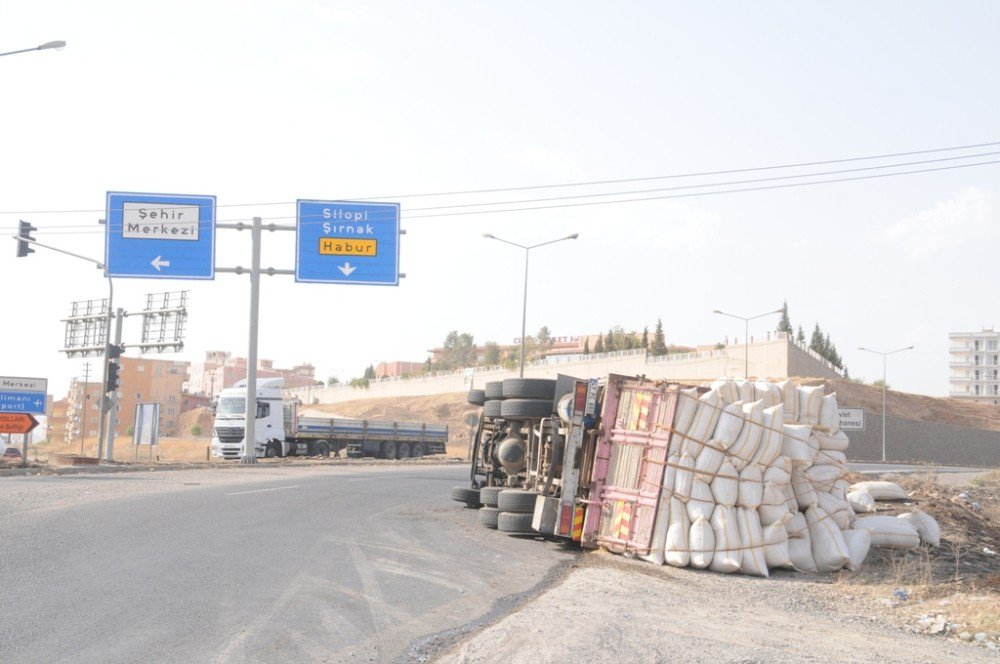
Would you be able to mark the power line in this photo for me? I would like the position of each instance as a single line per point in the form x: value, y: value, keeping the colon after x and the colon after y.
x: 581, y: 183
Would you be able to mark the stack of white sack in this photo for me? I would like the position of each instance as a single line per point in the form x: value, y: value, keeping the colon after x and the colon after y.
x: 754, y: 481
x: 907, y: 531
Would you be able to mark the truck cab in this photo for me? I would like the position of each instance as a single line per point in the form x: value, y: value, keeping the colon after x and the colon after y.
x: 230, y: 420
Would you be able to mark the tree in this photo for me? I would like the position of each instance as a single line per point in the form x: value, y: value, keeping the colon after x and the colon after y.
x: 459, y: 351
x: 816, y: 341
x: 491, y: 353
x: 332, y: 380
x: 370, y: 372
x: 800, y: 336
x: 544, y: 338
x: 599, y: 346
x: 785, y: 325
x: 879, y: 383
x: 586, y: 346
x: 609, y: 341
x: 196, y: 430
x: 645, y: 337
x: 659, y: 340
x: 428, y: 365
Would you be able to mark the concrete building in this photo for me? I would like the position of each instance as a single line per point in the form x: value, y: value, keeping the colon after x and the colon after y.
x: 397, y: 368
x: 144, y: 380
x: 57, y: 420
x: 974, y: 365
x: 221, y: 370
x: 83, y: 410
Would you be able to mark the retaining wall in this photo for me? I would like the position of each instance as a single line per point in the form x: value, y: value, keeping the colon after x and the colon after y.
x: 912, y: 441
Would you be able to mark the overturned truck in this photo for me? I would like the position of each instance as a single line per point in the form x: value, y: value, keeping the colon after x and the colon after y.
x: 739, y: 476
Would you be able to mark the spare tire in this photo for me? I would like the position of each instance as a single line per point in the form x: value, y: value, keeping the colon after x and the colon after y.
x: 488, y: 495
x: 492, y: 408
x: 516, y: 500
x: 488, y: 516
x: 493, y: 390
x: 529, y: 388
x: 512, y: 522
x: 525, y: 408
x: 477, y: 397
x: 468, y: 496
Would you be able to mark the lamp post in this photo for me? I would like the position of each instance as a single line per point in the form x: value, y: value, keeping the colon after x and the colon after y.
x: 524, y: 312
x: 746, y: 335
x: 41, y: 47
x: 884, y: 355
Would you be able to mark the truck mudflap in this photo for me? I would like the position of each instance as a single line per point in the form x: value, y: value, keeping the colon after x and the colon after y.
x: 629, y: 465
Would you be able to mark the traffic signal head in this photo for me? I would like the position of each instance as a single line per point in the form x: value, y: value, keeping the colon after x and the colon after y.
x: 24, y: 231
x: 112, y: 384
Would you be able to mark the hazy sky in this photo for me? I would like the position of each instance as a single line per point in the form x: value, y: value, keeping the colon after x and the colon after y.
x: 267, y: 102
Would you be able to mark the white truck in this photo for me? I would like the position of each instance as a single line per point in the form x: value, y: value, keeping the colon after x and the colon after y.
x: 282, y: 432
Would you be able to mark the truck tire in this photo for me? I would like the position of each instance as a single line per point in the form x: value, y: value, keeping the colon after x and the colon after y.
x: 488, y: 495
x: 477, y: 397
x: 388, y: 449
x: 493, y: 390
x: 525, y: 408
x: 271, y: 451
x: 468, y: 496
x: 417, y: 451
x: 529, y: 388
x: 488, y: 516
x: 514, y: 522
x: 403, y: 451
x: 322, y: 448
x: 516, y: 500
x: 492, y: 408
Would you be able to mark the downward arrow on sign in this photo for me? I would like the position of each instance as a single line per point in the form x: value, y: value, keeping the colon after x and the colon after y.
x: 346, y: 269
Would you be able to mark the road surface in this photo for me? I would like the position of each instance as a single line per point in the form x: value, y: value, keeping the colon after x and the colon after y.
x: 290, y: 564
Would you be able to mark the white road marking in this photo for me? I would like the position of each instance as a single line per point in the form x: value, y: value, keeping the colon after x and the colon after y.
x: 277, y: 488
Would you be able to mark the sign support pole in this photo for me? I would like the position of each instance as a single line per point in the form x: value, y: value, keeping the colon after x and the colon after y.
x: 250, y: 424
x: 24, y: 450
x: 113, y: 400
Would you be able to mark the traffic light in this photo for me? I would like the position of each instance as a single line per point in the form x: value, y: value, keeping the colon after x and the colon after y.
x: 24, y: 231
x: 112, y: 383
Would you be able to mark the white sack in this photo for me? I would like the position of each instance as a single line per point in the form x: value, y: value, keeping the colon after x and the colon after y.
x: 729, y: 425
x: 828, y: 546
x: 825, y: 476
x: 685, y: 475
x: 859, y: 542
x: 705, y: 418
x: 773, y: 508
x: 702, y: 543
x: 751, y: 492
x: 810, y: 400
x: 754, y: 561
x: 833, y: 442
x: 709, y: 460
x: 800, y: 553
x: 728, y: 552
x: 728, y: 390
x: 701, y: 502
x: 881, y: 490
x: 745, y: 388
x: 767, y: 392
x: 798, y: 445
x: 797, y: 527
x: 726, y: 485
x: 789, y: 400
x: 926, y: 526
x: 861, y: 502
x: 830, y: 457
x: 676, y: 550
x: 687, y: 406
x: 662, y: 521
x: 770, y: 439
x: 776, y: 546
x: 805, y: 492
x: 748, y: 440
x: 828, y: 413
x: 837, y: 509
x: 889, y: 532
x: 669, y: 477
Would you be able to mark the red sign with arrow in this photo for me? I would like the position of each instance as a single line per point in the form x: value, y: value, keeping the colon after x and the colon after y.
x: 17, y: 422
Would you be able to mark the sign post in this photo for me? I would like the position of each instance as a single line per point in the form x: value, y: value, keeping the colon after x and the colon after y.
x: 23, y: 395
x: 347, y: 242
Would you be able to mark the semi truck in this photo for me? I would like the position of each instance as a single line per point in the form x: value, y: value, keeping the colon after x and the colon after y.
x: 281, y: 431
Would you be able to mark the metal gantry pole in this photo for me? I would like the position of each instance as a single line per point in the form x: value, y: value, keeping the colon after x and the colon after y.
x: 883, y: 406
x: 524, y: 310
x: 104, y: 371
x: 746, y: 348
x: 250, y: 423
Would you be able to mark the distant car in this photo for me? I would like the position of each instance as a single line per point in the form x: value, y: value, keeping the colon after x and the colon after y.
x: 12, y: 453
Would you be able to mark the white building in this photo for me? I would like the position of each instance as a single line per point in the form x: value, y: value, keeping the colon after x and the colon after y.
x: 975, y: 365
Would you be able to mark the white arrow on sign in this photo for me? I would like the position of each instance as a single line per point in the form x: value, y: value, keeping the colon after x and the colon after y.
x: 346, y: 269
x: 158, y: 263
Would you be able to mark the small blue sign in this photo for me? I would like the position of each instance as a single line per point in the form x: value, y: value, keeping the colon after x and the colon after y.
x: 160, y: 236
x: 22, y: 402
x: 347, y: 242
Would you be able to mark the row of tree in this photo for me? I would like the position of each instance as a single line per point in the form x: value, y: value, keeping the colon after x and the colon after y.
x: 819, y: 341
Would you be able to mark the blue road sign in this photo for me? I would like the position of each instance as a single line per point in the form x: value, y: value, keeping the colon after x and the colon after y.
x: 160, y: 236
x: 22, y: 402
x: 347, y: 242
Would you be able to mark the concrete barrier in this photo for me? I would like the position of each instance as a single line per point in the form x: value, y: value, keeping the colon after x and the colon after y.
x: 913, y: 441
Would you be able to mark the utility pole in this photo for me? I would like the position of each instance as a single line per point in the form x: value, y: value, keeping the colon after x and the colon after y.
x: 83, y: 405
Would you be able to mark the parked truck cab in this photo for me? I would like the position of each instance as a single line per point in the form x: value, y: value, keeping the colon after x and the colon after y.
x: 230, y: 419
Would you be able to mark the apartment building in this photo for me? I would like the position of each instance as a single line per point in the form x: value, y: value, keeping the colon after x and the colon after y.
x: 144, y: 380
x: 221, y: 370
x: 974, y: 365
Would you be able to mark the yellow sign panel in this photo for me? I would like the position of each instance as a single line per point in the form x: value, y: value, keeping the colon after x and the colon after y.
x: 347, y: 246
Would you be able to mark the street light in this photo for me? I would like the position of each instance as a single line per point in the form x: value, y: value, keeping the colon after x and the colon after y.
x: 746, y: 336
x: 884, y: 355
x: 42, y: 47
x: 524, y: 313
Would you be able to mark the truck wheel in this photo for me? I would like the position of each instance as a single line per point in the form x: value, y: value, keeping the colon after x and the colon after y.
x: 488, y: 495
x: 404, y: 451
x: 477, y: 397
x: 418, y: 450
x: 516, y: 500
x: 513, y: 522
x: 468, y: 496
x: 322, y: 448
x: 529, y: 388
x: 492, y: 408
x: 271, y: 451
x: 493, y: 390
x: 389, y: 450
x: 488, y: 516
x: 525, y: 408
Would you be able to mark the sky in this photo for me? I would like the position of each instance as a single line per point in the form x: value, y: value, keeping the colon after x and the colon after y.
x: 263, y: 103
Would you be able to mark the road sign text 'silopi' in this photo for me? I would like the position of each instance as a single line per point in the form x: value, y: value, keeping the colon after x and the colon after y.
x: 24, y: 230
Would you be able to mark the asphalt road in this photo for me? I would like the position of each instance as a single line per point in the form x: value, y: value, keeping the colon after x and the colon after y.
x: 909, y: 468
x: 318, y: 564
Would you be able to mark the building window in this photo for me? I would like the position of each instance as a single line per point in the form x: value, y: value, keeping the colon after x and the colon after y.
x: 93, y: 420
x: 170, y: 411
x: 977, y: 390
x: 138, y: 395
x: 977, y: 374
x: 142, y: 369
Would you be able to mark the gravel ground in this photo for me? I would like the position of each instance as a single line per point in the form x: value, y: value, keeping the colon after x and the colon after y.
x: 613, y: 610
